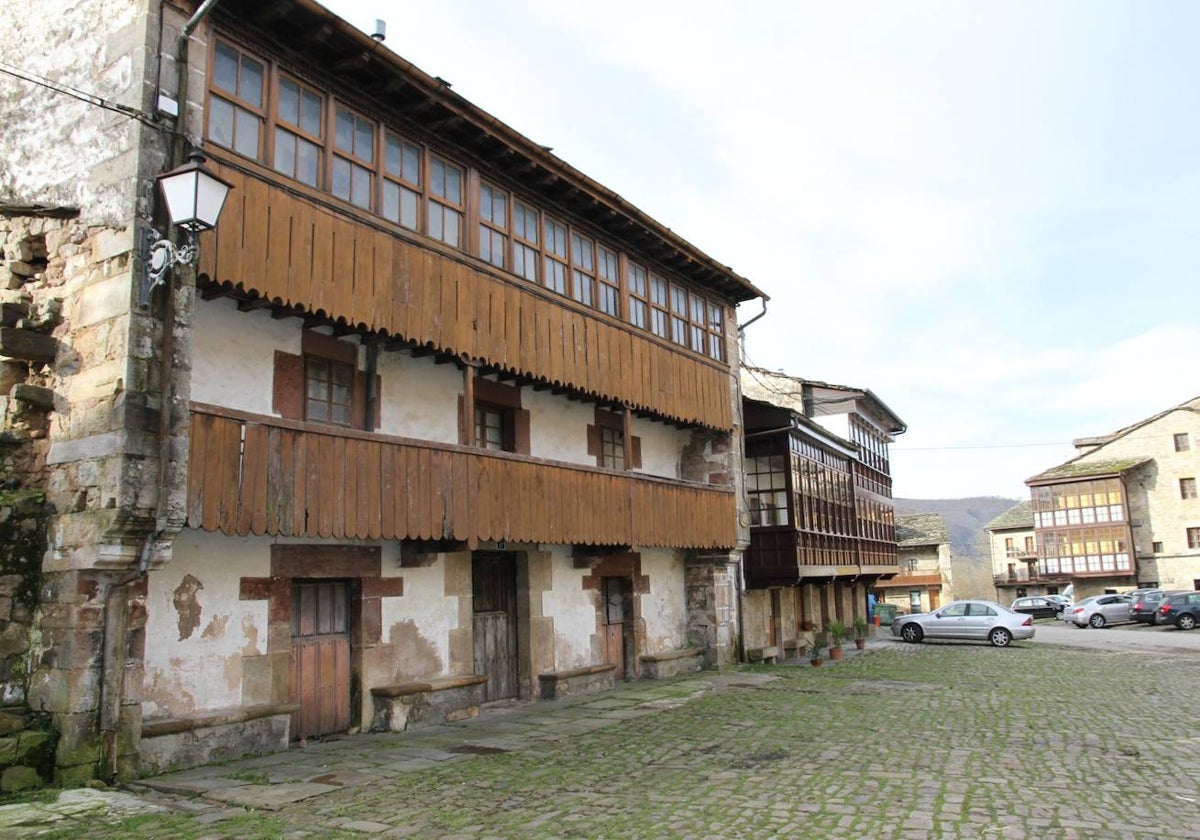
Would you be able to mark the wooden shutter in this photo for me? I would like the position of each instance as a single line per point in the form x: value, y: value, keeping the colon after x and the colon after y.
x: 635, y: 460
x: 593, y: 440
x: 288, y: 386
x: 519, y: 426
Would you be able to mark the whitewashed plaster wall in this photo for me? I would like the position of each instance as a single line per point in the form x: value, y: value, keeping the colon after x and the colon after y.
x: 197, y: 626
x: 839, y: 424
x: 419, y: 622
x: 233, y: 362
x: 558, y: 427
x: 664, y: 607
x: 419, y: 398
x: 662, y: 446
x: 573, y: 610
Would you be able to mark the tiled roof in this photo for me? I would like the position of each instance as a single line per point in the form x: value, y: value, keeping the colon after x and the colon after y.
x: 1080, y: 468
x: 1019, y: 515
x: 921, y: 529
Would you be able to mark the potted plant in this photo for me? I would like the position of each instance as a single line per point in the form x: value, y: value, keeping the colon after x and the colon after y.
x: 861, y: 628
x: 815, y: 657
x: 837, y: 632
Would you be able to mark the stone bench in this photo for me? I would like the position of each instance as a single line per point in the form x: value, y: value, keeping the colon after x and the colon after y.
x: 589, y: 679
x: 672, y: 663
x: 434, y: 700
x: 768, y: 654
x: 178, y: 743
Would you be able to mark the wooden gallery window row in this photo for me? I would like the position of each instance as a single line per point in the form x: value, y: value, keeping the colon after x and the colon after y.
x: 259, y: 111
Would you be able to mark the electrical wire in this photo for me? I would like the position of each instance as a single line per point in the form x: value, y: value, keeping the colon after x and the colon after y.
x: 83, y: 96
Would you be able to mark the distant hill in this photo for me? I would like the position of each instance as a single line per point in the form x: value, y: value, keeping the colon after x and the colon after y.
x: 964, y: 519
x: 971, y: 551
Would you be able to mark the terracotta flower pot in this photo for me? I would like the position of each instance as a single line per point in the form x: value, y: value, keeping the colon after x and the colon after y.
x: 860, y: 643
x: 816, y: 662
x: 835, y: 653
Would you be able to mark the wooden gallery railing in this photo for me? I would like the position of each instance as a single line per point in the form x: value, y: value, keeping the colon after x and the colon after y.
x: 250, y: 474
x: 295, y: 248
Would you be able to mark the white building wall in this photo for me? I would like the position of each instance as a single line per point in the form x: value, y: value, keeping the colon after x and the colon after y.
x: 558, y: 427
x: 419, y: 398
x: 573, y: 610
x: 233, y: 363
x: 664, y: 608
x: 197, y: 626
x: 419, y: 622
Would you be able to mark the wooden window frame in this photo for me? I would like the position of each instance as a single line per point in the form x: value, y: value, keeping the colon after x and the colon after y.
x: 289, y: 383
x: 1187, y: 488
x: 679, y: 306
x: 1193, y: 537
x: 637, y: 281
x: 519, y: 240
x: 584, y: 269
x: 555, y: 263
x: 608, y: 285
x: 236, y: 101
x: 479, y: 392
x: 352, y: 157
x: 400, y: 182
x: 490, y: 228
x: 660, y: 316
x: 443, y: 203
x: 280, y: 124
x: 1182, y: 442
x: 620, y: 423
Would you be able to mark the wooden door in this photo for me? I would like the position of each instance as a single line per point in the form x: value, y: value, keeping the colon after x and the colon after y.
x: 494, y: 596
x: 617, y: 620
x: 320, y: 658
x: 935, y: 599
x: 775, y: 622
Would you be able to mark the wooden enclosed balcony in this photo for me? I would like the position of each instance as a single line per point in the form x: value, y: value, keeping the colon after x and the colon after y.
x: 295, y: 249
x: 251, y: 474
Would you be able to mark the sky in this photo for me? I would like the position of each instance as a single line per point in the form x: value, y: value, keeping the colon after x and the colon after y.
x: 986, y: 213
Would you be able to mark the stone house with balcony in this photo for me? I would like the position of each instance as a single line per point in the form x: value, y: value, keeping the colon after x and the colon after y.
x: 819, y: 487
x: 1013, y: 546
x: 926, y: 576
x: 1125, y: 511
x: 437, y: 419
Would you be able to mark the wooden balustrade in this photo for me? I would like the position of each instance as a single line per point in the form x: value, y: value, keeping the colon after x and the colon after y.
x: 250, y: 474
x: 295, y: 249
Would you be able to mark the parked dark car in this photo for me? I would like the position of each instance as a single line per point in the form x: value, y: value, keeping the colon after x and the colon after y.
x: 1182, y: 610
x: 1144, y: 608
x: 1038, y: 606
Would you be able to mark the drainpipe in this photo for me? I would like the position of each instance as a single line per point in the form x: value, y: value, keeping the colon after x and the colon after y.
x: 116, y: 598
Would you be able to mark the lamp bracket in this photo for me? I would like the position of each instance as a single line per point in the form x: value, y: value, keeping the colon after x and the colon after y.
x: 159, y: 256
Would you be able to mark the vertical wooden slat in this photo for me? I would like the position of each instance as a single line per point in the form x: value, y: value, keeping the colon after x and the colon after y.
x: 279, y: 245
x: 368, y: 474
x: 338, y: 481
x: 321, y: 294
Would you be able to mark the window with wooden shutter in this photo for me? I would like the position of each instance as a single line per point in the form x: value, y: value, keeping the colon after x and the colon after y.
x: 606, y: 442
x: 323, y: 384
x: 500, y: 422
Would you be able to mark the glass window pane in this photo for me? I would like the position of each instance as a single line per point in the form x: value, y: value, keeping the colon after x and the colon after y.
x: 225, y: 69
x: 453, y: 184
x: 435, y: 220
x: 412, y: 164
x: 341, y: 178
x: 289, y: 101
x: 391, y: 155
x: 310, y: 113
x: 437, y: 178
x: 364, y: 140
x: 246, y: 134
x: 251, y: 84
x: 308, y: 163
x: 450, y: 225
x: 360, y: 189
x: 408, y: 209
x: 391, y: 201
x: 285, y: 152
x: 343, y: 135
x: 220, y: 122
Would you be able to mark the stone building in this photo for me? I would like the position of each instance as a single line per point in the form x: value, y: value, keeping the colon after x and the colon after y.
x: 1015, y: 570
x: 436, y: 420
x: 819, y: 485
x: 1125, y: 511
x: 926, y: 578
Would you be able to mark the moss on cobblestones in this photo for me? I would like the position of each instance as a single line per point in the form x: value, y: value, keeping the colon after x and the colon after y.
x: 930, y: 741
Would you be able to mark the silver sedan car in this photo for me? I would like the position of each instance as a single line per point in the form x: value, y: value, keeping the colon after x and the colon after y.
x: 982, y: 620
x: 1100, y: 610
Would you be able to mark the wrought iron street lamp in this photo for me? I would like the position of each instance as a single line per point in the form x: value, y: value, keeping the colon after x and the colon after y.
x: 194, y: 197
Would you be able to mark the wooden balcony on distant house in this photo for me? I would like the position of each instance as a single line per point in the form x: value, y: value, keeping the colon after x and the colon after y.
x: 1029, y: 574
x: 251, y: 474
x: 782, y: 556
x: 295, y: 249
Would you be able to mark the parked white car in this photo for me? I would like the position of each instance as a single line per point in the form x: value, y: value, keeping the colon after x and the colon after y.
x: 1100, y: 611
x: 982, y: 620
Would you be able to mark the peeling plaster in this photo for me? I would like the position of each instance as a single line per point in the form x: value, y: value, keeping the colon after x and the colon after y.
x: 415, y: 656
x: 216, y: 627
x: 186, y: 604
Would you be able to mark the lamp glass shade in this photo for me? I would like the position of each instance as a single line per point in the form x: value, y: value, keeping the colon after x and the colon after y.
x: 194, y: 196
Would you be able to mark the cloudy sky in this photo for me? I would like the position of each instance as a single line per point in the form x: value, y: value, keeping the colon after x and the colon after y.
x: 984, y: 212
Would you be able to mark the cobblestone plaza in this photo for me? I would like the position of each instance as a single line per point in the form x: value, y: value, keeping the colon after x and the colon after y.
x: 936, y: 740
